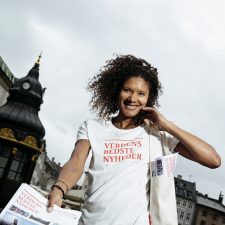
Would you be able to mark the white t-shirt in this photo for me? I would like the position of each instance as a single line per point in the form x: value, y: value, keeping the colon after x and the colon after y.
x: 118, y: 190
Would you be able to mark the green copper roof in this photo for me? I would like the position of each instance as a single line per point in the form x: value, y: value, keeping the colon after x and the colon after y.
x: 7, y: 71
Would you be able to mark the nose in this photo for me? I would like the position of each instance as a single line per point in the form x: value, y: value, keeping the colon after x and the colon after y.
x: 132, y: 97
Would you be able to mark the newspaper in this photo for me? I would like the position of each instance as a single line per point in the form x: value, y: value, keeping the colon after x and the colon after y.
x: 28, y: 207
x: 164, y: 165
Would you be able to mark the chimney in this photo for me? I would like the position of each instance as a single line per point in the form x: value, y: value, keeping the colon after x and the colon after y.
x: 179, y: 177
x: 221, y: 197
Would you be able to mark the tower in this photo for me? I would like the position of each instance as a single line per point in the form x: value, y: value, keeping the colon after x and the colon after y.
x: 21, y: 133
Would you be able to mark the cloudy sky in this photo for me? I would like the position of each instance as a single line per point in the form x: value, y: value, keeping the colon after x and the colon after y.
x: 183, y: 39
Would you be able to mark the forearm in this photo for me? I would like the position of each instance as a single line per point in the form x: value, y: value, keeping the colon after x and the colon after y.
x: 193, y: 147
x: 73, y: 169
x: 69, y: 176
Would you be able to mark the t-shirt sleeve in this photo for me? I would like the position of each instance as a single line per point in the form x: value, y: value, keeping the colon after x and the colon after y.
x: 170, y: 141
x: 83, y: 131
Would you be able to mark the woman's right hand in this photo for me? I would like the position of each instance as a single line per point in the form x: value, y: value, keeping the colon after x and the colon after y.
x: 55, y: 197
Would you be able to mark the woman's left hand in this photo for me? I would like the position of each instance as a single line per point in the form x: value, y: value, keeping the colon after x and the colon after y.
x: 155, y: 119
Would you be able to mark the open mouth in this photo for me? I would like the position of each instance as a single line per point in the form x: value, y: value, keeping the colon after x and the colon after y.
x: 130, y: 106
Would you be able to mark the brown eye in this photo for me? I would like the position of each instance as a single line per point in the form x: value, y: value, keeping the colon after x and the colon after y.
x: 126, y: 90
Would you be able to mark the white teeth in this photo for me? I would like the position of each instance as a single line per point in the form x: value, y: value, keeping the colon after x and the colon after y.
x: 131, y: 107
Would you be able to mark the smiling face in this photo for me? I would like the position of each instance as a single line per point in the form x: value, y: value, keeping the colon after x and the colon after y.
x: 133, y: 97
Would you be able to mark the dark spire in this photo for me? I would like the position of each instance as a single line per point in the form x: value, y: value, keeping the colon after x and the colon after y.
x: 37, y: 63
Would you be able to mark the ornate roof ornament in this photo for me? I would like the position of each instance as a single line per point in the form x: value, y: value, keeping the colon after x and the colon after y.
x: 20, y: 112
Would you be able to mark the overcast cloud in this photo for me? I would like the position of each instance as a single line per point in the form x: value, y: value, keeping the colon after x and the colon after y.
x: 183, y: 39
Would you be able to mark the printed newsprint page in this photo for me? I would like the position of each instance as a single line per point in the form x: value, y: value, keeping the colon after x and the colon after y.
x: 28, y: 207
x: 164, y: 165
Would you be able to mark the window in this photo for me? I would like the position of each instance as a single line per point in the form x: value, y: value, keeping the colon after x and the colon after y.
x: 1, y: 172
x: 204, y: 213
x: 180, y: 191
x: 178, y: 201
x: 3, y: 161
x: 190, y: 205
x: 215, y: 217
x: 223, y: 221
x: 17, y: 166
x: 4, y: 158
x: 181, y: 215
x: 184, y: 203
x: 188, y: 216
x: 189, y: 194
x: 202, y: 222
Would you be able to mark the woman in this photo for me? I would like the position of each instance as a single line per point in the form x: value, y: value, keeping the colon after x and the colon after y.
x: 125, y: 94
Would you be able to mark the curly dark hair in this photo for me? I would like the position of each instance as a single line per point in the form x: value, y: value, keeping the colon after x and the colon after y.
x: 106, y: 85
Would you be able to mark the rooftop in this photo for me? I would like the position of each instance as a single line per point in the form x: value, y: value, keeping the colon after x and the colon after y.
x: 185, y: 189
x: 8, y: 74
x: 204, y: 200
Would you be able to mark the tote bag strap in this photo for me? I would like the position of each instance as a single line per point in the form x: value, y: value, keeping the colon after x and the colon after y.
x: 162, y: 199
x: 149, y: 173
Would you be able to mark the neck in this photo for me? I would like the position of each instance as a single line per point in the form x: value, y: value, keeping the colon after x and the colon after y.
x: 123, y: 123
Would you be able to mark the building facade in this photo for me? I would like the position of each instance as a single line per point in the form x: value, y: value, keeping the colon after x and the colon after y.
x: 6, y: 81
x: 46, y: 172
x: 186, y: 199
x: 209, y: 211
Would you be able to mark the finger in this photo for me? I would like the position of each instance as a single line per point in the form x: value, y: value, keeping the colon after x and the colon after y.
x: 154, y: 127
x: 49, y: 209
x: 147, y: 122
x: 50, y: 205
x: 148, y: 109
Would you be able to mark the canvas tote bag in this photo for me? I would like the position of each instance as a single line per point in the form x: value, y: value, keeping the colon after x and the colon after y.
x: 163, y: 209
